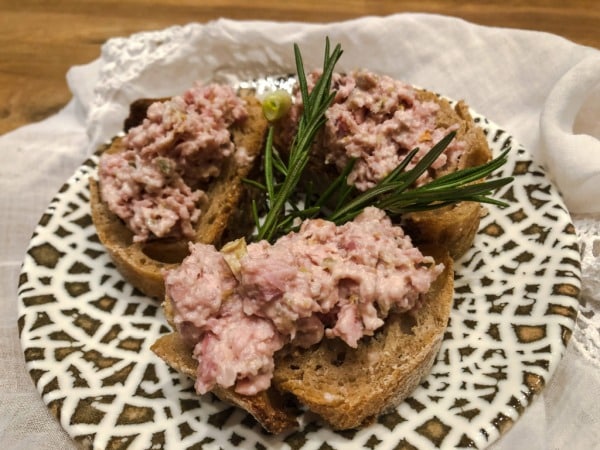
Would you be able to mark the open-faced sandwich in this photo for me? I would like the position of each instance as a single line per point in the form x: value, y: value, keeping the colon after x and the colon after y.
x: 374, y: 122
x: 175, y: 177
x: 328, y: 291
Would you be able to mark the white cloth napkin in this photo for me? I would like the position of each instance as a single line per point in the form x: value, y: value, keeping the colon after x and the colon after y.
x: 543, y: 89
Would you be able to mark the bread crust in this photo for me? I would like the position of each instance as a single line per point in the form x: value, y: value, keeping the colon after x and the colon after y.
x: 226, y: 218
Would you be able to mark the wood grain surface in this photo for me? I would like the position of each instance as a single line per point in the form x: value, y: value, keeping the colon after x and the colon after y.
x: 41, y: 39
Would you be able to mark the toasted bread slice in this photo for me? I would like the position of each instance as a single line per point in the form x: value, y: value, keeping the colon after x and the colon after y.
x: 227, y: 217
x: 347, y: 387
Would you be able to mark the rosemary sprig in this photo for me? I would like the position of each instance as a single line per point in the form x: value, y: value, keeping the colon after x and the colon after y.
x: 340, y: 202
x: 313, y: 118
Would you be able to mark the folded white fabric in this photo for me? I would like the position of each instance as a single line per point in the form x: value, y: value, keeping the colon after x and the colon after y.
x: 541, y: 88
x: 570, y: 131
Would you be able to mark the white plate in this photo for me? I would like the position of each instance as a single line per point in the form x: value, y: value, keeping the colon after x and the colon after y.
x: 86, y: 334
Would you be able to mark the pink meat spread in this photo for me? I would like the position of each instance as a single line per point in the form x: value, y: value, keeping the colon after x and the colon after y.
x: 154, y: 185
x: 324, y: 281
x: 377, y: 121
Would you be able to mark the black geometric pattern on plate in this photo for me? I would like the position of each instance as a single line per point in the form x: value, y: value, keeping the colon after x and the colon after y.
x: 86, y: 335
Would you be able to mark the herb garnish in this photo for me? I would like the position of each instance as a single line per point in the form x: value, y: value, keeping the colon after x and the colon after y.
x: 396, y: 193
x: 313, y: 118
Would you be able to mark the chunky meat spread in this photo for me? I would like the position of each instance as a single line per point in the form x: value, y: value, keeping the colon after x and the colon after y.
x: 377, y: 121
x: 323, y: 281
x: 154, y: 185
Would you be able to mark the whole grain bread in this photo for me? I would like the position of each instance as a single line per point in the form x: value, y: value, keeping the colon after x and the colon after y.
x: 346, y: 387
x: 227, y: 216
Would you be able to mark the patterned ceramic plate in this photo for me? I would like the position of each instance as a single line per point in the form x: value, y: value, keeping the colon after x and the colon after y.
x: 86, y: 335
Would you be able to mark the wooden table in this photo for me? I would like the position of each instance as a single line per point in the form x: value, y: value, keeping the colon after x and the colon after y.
x: 40, y: 40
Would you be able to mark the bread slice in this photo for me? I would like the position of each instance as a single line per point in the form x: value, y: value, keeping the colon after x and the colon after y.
x: 347, y: 388
x: 452, y: 227
x: 227, y: 217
